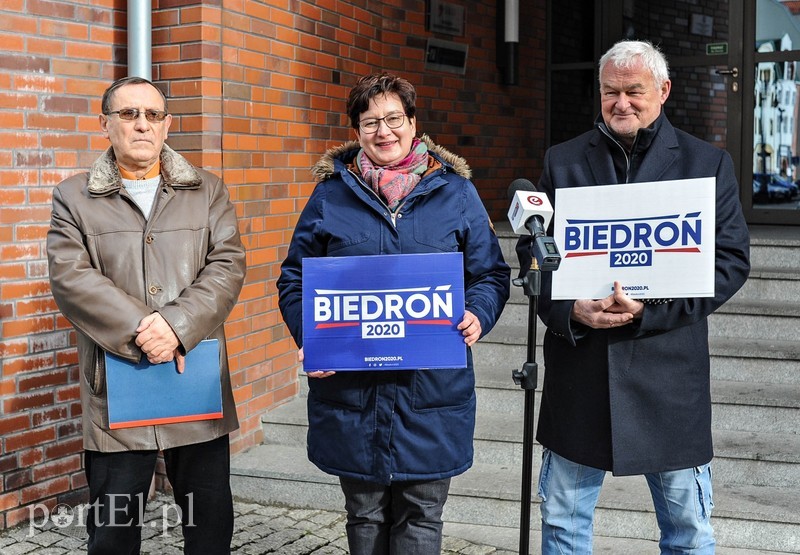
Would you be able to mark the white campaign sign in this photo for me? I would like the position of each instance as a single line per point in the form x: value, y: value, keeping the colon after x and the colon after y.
x: 656, y: 239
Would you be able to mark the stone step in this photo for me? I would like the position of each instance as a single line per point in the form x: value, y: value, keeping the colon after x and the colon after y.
x: 741, y: 457
x: 774, y: 256
x: 731, y: 395
x: 750, y: 365
x: 768, y: 320
x: 771, y: 284
x: 743, y: 406
x: 506, y: 539
x: 507, y: 242
x: 512, y: 331
x: 774, y: 247
x: 755, y: 360
x: 739, y: 407
x: 745, y: 517
x: 735, y: 359
x: 768, y: 284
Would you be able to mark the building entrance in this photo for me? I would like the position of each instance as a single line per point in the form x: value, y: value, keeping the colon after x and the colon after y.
x: 733, y: 65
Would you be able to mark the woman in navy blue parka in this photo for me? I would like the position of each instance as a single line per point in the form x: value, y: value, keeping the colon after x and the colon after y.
x: 394, y: 438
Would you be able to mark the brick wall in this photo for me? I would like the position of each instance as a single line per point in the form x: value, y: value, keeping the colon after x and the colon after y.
x: 55, y: 58
x: 258, y: 91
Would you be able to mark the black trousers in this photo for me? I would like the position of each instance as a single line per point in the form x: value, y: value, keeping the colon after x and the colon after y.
x: 403, y: 518
x: 119, y: 484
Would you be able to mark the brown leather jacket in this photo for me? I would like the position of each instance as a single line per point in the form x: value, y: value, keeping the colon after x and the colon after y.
x: 110, y: 267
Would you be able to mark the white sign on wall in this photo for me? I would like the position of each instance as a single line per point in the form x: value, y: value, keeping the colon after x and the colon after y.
x: 655, y: 238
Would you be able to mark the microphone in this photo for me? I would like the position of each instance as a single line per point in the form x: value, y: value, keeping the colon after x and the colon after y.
x: 528, y: 208
x: 530, y: 214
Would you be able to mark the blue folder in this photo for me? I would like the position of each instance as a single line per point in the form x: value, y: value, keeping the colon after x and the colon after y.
x: 144, y: 394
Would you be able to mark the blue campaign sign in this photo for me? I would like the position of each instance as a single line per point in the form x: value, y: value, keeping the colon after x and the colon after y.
x: 383, y: 312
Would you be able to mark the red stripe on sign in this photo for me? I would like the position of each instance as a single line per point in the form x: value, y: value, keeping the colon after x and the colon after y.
x: 574, y: 254
x: 336, y: 325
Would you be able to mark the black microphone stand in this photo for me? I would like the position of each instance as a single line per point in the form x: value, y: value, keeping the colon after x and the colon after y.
x: 527, y: 378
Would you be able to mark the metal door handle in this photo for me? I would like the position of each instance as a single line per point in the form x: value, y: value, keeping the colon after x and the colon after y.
x: 733, y: 72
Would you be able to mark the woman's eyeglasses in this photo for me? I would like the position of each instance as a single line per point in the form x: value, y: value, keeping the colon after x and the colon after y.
x: 393, y: 121
x: 130, y: 114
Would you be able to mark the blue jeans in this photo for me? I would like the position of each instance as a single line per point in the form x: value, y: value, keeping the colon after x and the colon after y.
x: 569, y: 492
x: 403, y: 518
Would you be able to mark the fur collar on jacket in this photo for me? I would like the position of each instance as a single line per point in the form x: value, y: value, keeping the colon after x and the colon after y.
x: 325, y: 167
x: 175, y: 170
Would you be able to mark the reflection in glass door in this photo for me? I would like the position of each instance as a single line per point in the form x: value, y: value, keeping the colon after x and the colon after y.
x: 775, y: 153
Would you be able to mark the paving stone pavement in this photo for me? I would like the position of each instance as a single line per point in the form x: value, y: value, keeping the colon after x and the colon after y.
x: 258, y: 529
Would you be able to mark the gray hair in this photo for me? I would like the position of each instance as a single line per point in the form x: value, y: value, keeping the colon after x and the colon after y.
x: 133, y: 80
x: 626, y: 52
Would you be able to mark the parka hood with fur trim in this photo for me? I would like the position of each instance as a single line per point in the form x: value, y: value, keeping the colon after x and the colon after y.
x: 326, y: 167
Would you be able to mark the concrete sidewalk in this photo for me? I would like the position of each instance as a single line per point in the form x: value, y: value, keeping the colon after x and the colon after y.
x: 258, y: 529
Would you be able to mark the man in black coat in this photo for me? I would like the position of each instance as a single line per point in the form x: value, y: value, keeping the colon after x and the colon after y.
x: 627, y: 385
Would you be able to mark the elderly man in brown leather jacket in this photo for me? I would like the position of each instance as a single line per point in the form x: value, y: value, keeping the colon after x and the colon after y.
x: 146, y: 260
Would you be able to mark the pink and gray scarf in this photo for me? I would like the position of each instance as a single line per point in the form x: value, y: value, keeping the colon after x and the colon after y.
x: 395, y: 182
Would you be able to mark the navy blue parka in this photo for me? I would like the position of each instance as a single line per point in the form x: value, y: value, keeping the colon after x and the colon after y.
x: 386, y: 426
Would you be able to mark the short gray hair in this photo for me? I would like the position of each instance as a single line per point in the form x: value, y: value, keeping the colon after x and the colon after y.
x: 132, y: 80
x: 624, y: 53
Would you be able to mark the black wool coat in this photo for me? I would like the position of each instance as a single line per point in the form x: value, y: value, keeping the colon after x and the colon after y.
x: 636, y: 399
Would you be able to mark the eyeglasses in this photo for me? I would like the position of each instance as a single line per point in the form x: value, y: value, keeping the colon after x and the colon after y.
x: 393, y: 121
x: 131, y: 114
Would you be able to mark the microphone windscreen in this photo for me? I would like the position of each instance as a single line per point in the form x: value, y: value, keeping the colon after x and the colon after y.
x: 519, y: 185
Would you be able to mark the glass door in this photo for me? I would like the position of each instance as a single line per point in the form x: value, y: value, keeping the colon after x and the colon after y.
x: 771, y: 160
